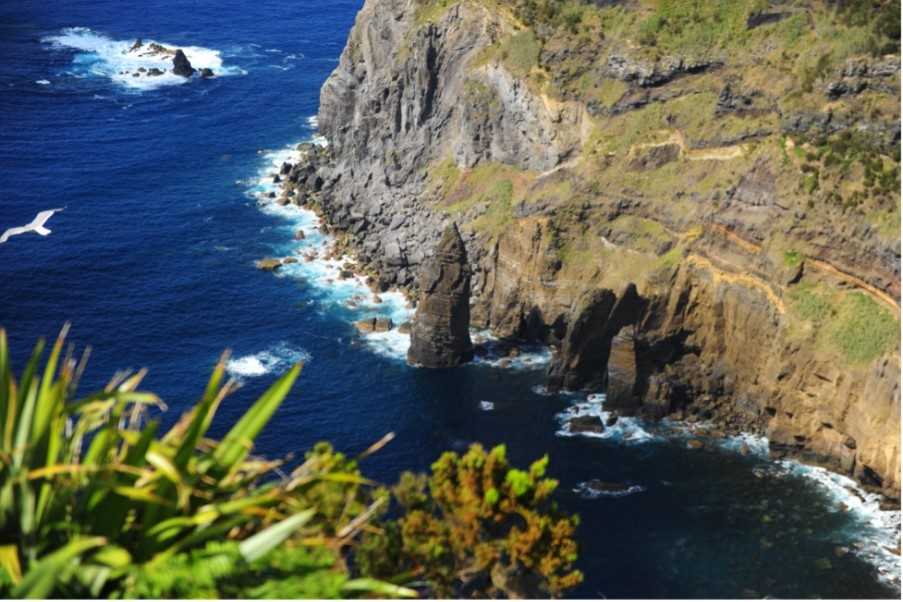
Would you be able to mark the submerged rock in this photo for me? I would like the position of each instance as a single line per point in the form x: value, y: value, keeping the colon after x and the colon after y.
x: 440, y: 335
x: 600, y: 487
x: 586, y: 424
x: 181, y: 65
x: 374, y: 324
x: 268, y: 264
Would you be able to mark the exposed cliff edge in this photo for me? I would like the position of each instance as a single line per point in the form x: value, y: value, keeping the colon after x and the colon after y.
x: 728, y: 204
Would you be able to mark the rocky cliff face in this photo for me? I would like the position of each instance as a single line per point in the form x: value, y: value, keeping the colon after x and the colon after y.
x: 734, y: 210
x: 440, y: 335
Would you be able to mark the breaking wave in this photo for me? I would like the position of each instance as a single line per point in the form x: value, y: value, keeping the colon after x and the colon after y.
x: 101, y: 56
x: 276, y: 359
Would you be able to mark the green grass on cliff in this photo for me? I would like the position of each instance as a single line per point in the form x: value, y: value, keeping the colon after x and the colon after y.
x: 849, y: 323
x: 520, y: 52
x: 863, y: 329
x: 792, y: 258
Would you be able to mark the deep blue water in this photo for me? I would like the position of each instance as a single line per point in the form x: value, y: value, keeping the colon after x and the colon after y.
x: 152, y: 262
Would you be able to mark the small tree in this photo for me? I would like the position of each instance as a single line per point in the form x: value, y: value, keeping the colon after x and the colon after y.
x: 477, y: 527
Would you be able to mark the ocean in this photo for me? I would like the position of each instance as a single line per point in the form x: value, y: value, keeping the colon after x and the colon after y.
x: 152, y: 261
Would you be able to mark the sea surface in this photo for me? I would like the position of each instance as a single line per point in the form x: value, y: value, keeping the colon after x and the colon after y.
x: 152, y: 260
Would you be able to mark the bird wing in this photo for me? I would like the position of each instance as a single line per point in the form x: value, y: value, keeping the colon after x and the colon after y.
x: 12, y: 232
x: 42, y: 217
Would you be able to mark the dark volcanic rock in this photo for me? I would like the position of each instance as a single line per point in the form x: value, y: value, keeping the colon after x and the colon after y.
x: 440, y: 336
x: 596, y: 319
x: 586, y: 424
x: 207, y: 72
x: 181, y: 65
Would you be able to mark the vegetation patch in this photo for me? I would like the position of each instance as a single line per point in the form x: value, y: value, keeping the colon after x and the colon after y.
x: 97, y: 501
x: 520, y: 52
x: 850, y: 323
x: 792, y: 258
x: 863, y: 330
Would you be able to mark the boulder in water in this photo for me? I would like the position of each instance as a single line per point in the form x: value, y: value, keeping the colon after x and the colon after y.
x: 268, y: 264
x: 374, y: 325
x: 586, y: 424
x: 181, y: 65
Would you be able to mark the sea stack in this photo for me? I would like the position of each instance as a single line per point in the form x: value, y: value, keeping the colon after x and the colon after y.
x: 181, y: 65
x: 440, y: 334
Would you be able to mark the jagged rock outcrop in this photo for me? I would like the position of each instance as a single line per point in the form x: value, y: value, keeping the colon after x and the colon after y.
x: 181, y: 65
x: 705, y: 182
x: 440, y: 333
x: 582, y: 362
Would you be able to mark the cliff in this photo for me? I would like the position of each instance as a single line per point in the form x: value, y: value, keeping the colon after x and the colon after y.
x: 713, y: 185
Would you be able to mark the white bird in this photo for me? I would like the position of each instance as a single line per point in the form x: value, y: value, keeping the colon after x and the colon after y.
x: 36, y: 226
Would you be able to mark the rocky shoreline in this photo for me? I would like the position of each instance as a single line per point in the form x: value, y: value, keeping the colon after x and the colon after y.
x: 699, y: 425
x: 667, y: 393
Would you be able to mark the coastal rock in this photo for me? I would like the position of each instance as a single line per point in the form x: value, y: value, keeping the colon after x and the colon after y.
x: 374, y: 324
x: 268, y: 264
x: 586, y: 424
x: 181, y: 65
x: 440, y: 336
x: 595, y: 320
x: 599, y: 487
x: 207, y: 73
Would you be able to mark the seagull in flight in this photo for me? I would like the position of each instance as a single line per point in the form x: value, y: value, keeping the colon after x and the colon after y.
x: 36, y: 226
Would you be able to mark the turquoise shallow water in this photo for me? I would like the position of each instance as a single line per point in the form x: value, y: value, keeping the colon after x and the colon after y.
x: 152, y: 261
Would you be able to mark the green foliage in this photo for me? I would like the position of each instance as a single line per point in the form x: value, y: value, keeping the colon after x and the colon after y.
x: 478, y: 527
x: 863, y: 329
x: 696, y: 25
x: 520, y: 52
x: 810, y: 303
x: 95, y: 503
x: 852, y: 324
x: 881, y: 17
x: 219, y: 570
x: 792, y: 258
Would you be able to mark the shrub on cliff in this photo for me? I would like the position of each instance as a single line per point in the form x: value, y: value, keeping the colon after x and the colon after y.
x: 477, y: 527
x: 95, y: 502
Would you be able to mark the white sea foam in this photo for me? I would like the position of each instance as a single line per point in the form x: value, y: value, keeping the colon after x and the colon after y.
x: 496, y: 353
x: 43, y: 82
x: 586, y: 490
x: 877, y: 530
x: 627, y: 430
x: 756, y: 444
x: 487, y: 406
x: 275, y: 359
x: 352, y: 295
x: 102, y: 56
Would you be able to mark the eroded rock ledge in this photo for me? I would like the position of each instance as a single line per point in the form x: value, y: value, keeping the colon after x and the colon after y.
x: 622, y: 218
